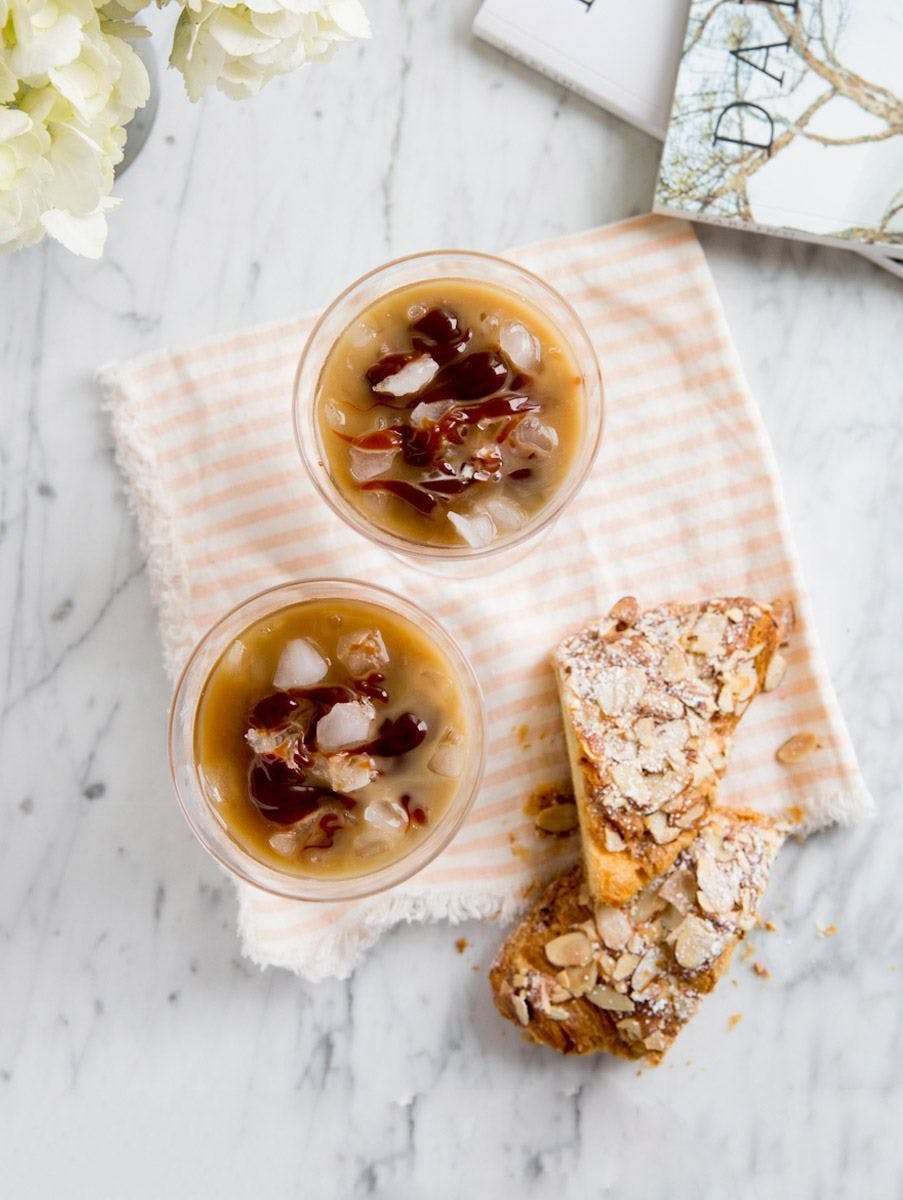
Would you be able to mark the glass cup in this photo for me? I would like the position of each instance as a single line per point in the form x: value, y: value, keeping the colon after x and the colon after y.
x: 418, y: 268
x: 201, y: 814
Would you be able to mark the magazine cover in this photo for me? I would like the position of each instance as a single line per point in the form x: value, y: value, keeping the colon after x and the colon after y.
x: 788, y: 118
x: 621, y: 54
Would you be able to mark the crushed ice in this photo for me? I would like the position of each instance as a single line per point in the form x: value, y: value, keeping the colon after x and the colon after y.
x: 519, y: 346
x: 346, y: 724
x: 300, y: 665
x: 477, y: 531
x: 410, y: 378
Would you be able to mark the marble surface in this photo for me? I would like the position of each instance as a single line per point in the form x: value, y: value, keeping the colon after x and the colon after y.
x: 139, y: 1056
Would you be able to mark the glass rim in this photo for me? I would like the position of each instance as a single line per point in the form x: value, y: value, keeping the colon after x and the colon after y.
x: 321, y: 477
x: 214, y: 836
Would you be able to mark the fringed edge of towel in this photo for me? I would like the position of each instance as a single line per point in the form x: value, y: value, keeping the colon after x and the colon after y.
x: 336, y: 952
x: 148, y: 502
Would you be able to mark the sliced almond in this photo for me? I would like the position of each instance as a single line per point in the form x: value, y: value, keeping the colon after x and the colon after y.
x: 674, y: 664
x: 578, y: 980
x: 625, y: 611
x: 630, y: 782
x: 735, y: 614
x: 614, y: 843
x: 679, y: 889
x: 569, y: 950
x: 662, y: 704
x: 556, y: 1013
x: 717, y: 890
x: 670, y: 919
x: 521, y: 1011
x: 625, y: 967
x: 656, y: 1041
x: 618, y: 690
x: 610, y: 1000
x: 690, y: 818
x: 588, y: 927
x: 662, y: 832
x: 646, y: 970
x: 606, y: 963
x: 707, y: 634
x: 630, y: 1029
x: 777, y: 669
x: 796, y: 748
x: 648, y: 905
x: 613, y: 926
x: 557, y: 818
x: 695, y: 943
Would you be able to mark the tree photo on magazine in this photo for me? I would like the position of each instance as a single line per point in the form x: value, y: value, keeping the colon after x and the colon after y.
x: 785, y: 117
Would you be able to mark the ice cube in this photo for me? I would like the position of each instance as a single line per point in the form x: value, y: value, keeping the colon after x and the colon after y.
x: 269, y: 741
x: 506, y: 514
x: 369, y: 464
x: 386, y: 815
x: 519, y: 346
x: 233, y: 660
x: 477, y: 531
x: 346, y: 724
x: 300, y: 665
x: 362, y: 652
x: 344, y: 772
x: 369, y: 842
x: 216, y: 779
x: 287, y: 842
x: 410, y: 378
x: 425, y: 414
x: 416, y: 311
x: 530, y: 436
x: 449, y: 757
x: 362, y: 335
x: 334, y: 415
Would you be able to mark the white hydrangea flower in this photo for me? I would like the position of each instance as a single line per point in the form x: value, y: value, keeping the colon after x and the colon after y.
x: 68, y: 87
x: 24, y: 173
x: 70, y: 83
x: 238, y: 47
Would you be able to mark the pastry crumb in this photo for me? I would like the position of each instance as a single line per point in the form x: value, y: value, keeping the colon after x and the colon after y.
x: 825, y: 931
x: 734, y: 1020
x: 461, y: 944
x: 546, y: 794
x: 761, y: 970
x: 771, y: 927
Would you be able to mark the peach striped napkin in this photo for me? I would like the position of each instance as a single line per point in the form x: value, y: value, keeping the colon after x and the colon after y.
x: 684, y: 502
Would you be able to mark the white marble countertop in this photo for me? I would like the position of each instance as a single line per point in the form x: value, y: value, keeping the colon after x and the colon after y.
x: 139, y: 1056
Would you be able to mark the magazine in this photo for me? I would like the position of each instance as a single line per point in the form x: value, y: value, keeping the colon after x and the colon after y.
x: 788, y: 119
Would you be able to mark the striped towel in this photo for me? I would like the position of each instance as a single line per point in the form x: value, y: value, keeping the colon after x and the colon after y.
x: 684, y: 502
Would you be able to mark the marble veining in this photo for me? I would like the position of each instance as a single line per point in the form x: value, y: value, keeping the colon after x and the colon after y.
x: 139, y: 1055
